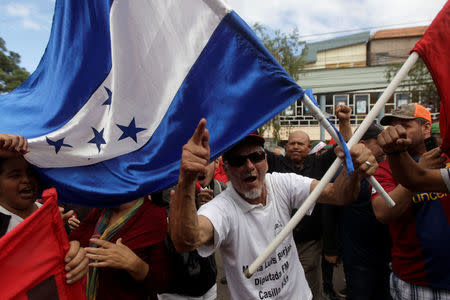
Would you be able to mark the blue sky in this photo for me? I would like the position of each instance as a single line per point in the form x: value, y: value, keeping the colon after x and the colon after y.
x: 25, y: 24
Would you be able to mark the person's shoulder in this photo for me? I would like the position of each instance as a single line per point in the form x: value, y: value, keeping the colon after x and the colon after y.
x: 286, y: 180
x: 327, y: 155
x: 225, y: 201
x: 283, y: 176
x: 224, y: 198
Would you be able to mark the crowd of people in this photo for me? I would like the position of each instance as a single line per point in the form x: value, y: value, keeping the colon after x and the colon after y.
x: 163, y: 245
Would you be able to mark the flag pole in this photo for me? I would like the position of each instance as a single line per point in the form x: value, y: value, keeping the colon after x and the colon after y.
x: 324, y: 122
x: 309, y: 202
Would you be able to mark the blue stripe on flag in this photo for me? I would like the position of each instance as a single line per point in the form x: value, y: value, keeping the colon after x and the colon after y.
x: 76, y: 61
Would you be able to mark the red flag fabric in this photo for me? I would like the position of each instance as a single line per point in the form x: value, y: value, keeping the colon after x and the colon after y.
x: 32, y: 257
x: 434, y: 49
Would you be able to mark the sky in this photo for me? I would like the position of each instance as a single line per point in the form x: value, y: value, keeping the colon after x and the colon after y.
x: 25, y: 24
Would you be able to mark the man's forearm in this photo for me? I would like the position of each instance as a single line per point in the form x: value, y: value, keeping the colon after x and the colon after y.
x: 183, y: 219
x: 346, y: 187
x: 343, y: 191
x: 413, y: 176
x: 402, y: 198
x: 345, y: 129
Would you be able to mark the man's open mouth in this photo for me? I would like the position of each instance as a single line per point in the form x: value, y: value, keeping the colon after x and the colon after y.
x: 250, y: 178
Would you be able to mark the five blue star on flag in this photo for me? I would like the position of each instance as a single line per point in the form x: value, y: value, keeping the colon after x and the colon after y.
x: 98, y: 138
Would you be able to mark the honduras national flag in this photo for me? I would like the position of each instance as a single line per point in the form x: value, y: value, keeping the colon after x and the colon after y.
x: 123, y: 84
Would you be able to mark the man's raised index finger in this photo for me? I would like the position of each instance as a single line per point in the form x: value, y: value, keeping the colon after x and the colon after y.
x: 197, y: 137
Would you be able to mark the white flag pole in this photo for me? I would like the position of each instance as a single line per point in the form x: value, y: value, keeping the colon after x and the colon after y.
x: 309, y: 202
x: 324, y: 122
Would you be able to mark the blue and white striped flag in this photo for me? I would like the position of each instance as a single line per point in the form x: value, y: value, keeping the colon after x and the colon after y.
x: 123, y: 84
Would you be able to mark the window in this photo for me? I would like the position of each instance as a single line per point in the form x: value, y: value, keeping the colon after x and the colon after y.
x: 401, y: 98
x: 361, y: 102
x: 340, y: 100
x: 290, y: 110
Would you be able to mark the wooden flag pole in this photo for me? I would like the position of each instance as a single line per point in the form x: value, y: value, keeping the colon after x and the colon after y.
x: 309, y: 202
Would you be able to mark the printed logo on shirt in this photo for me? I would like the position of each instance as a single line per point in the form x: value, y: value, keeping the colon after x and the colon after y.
x: 422, y: 197
x: 278, y: 227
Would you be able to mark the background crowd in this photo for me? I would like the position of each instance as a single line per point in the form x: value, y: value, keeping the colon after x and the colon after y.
x: 162, y: 246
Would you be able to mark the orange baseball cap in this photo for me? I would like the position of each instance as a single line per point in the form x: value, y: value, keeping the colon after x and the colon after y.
x: 408, y: 111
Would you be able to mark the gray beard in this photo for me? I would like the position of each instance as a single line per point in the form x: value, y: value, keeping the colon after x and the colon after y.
x: 253, y: 194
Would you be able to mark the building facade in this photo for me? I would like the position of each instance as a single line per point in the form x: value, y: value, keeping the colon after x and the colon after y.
x: 350, y: 70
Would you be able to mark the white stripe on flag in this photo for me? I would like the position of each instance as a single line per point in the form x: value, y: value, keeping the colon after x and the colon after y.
x: 151, y: 56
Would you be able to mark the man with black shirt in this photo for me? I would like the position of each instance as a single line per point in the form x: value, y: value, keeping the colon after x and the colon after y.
x: 365, y: 243
x: 308, y: 233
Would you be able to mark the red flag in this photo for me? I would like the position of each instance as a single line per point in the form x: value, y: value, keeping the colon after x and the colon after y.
x: 32, y: 257
x: 434, y: 49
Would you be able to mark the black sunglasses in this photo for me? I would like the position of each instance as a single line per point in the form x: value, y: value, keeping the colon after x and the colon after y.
x: 240, y: 160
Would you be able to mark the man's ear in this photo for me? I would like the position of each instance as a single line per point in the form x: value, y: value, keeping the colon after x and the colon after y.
x: 216, y: 162
x: 426, y: 129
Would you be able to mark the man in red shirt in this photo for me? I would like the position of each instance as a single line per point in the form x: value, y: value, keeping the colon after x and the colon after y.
x: 419, y: 223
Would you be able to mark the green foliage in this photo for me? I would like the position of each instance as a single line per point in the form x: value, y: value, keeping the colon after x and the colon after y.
x: 285, y: 47
x: 419, y: 83
x: 11, y: 74
x: 287, y: 50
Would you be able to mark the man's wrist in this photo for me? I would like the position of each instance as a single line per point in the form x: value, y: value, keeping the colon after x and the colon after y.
x: 186, y: 180
x: 138, y: 269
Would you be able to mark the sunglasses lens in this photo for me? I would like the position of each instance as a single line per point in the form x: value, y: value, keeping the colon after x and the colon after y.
x: 237, y: 161
x: 254, y: 157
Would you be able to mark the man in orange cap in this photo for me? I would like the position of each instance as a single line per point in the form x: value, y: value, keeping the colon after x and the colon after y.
x: 419, y: 223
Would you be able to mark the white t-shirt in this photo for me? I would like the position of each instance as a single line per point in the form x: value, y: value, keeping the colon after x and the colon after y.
x: 242, y: 231
x: 15, y: 219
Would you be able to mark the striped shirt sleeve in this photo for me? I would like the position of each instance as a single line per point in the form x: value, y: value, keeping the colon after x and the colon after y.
x: 446, y: 177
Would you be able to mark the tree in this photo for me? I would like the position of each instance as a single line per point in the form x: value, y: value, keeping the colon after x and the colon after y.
x: 419, y: 83
x: 287, y: 50
x: 11, y: 74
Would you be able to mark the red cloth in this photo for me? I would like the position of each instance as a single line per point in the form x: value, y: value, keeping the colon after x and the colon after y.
x: 144, y: 233
x: 433, y: 48
x: 32, y: 256
x: 219, y: 173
